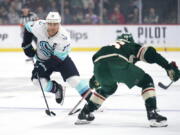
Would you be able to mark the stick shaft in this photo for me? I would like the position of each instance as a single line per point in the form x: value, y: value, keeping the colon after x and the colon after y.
x: 43, y: 93
x: 74, y: 108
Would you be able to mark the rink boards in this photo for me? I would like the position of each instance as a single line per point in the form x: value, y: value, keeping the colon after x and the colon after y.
x: 92, y: 37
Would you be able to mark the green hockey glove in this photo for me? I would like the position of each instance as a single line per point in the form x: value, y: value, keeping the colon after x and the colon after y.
x: 173, y: 71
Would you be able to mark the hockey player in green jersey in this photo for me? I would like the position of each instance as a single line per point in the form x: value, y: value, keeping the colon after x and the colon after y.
x: 115, y: 64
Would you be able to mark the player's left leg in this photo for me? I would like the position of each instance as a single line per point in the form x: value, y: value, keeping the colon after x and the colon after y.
x: 108, y: 87
x: 149, y: 96
x: 94, y: 103
x: 71, y: 75
x: 133, y: 75
x: 48, y: 85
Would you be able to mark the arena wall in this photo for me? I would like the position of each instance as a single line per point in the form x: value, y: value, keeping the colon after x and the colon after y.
x: 92, y: 37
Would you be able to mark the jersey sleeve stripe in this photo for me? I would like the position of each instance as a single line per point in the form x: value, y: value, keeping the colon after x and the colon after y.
x: 60, y: 55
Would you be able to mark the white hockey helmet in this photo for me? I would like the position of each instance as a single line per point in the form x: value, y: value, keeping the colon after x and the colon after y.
x: 53, y: 17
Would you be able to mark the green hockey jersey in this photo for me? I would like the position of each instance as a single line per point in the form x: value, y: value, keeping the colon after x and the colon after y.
x: 130, y: 52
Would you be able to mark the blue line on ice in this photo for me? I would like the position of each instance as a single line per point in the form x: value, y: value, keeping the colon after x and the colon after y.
x: 66, y: 109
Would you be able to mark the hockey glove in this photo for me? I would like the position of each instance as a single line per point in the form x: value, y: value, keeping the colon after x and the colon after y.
x: 93, y: 83
x: 173, y: 71
x: 39, y: 69
x: 29, y: 50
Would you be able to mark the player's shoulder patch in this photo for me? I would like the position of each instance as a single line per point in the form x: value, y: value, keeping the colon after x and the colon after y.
x: 39, y: 25
x: 41, y: 22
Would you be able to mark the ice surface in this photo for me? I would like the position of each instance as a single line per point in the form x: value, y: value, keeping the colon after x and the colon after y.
x: 22, y: 105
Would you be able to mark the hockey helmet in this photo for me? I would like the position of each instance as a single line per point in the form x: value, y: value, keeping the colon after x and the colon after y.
x: 53, y: 17
x: 126, y: 38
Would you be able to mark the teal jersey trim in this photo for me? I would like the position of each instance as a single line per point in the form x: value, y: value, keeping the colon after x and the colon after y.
x: 49, y: 86
x: 28, y: 26
x: 61, y: 55
x: 82, y: 87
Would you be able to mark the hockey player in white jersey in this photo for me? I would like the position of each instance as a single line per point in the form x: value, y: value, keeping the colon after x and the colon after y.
x: 51, y: 54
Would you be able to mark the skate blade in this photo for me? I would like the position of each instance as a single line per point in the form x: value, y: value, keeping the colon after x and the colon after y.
x: 154, y: 124
x: 82, y: 122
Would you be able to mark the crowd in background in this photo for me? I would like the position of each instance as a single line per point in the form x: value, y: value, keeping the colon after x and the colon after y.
x: 94, y: 11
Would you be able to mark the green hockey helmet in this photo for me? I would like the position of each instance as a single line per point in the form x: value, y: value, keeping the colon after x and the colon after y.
x: 126, y: 38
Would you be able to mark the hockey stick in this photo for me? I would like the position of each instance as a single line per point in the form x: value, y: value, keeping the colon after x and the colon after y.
x: 73, y: 110
x: 47, y: 111
x: 164, y: 86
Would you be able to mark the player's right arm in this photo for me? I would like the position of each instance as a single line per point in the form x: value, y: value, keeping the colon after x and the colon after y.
x: 31, y: 29
x: 26, y: 44
x: 150, y: 55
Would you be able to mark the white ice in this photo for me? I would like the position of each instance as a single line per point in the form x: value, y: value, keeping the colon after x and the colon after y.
x: 22, y: 105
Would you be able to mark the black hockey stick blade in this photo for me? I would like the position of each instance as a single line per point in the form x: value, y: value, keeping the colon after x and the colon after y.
x: 53, y: 113
x: 164, y: 86
x: 50, y: 113
x: 71, y: 113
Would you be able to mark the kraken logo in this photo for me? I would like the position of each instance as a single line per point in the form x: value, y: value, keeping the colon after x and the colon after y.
x: 46, y: 49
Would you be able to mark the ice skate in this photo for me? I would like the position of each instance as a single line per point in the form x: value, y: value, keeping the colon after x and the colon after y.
x: 85, y: 116
x: 59, y: 95
x: 157, y: 120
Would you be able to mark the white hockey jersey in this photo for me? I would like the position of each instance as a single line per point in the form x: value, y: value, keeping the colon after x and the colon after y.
x: 58, y: 45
